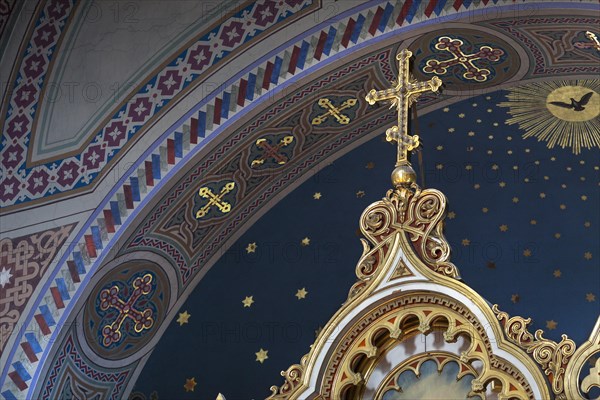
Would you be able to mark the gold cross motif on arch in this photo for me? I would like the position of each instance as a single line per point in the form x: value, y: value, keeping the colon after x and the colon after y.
x: 272, y: 151
x: 594, y: 43
x: 333, y: 111
x: 215, y: 200
x: 453, y: 46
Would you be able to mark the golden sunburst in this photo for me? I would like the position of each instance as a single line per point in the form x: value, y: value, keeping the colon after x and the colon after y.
x: 564, y: 113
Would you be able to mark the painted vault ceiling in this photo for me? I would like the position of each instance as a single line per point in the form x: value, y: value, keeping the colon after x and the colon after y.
x: 217, y: 196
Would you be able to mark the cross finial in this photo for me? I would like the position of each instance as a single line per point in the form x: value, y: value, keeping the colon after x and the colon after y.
x: 402, y: 96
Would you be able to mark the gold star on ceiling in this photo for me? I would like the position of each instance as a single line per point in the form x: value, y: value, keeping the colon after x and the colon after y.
x: 515, y: 200
x: 515, y: 298
x: 542, y: 195
x: 557, y: 235
x: 551, y: 325
x: 533, y: 222
x: 251, y: 248
x: 190, y: 384
x: 370, y: 165
x: 485, y: 210
x: 247, y: 302
x: 587, y: 224
x: 317, y: 196
x: 527, y: 253
x: 503, y: 228
x: 590, y: 297
x: 301, y: 293
x: 587, y: 255
x: 261, y: 355
x: 465, y: 242
x: 557, y: 273
x: 451, y: 215
x: 305, y: 241
x: 360, y: 194
x: 183, y: 318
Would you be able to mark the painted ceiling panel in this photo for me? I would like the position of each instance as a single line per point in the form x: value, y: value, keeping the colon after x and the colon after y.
x: 108, y: 49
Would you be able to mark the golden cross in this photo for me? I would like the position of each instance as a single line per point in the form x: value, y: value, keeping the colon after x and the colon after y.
x: 336, y: 112
x: 403, y: 95
x: 592, y: 36
x: 215, y: 200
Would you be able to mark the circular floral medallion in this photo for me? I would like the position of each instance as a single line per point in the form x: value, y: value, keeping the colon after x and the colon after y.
x: 125, y: 308
x: 464, y: 59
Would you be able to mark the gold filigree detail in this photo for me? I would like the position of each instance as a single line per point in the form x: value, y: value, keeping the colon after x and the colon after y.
x: 551, y: 356
x: 417, y: 214
x: 293, y: 380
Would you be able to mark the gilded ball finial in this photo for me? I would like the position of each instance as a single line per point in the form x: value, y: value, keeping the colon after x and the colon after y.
x: 403, y: 176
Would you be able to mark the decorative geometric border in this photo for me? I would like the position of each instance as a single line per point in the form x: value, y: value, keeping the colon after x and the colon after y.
x: 352, y: 30
x: 27, y: 258
x: 540, y: 65
x: 23, y: 184
x: 69, y: 350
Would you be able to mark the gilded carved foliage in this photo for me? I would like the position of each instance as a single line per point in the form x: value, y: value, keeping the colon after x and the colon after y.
x: 293, y: 380
x: 416, y: 213
x: 551, y: 356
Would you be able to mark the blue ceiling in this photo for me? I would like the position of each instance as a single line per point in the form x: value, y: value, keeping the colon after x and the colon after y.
x: 527, y: 255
